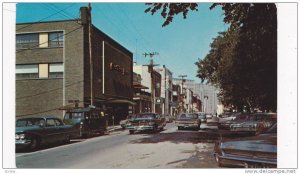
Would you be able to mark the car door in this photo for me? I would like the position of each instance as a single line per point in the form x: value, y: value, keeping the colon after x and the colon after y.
x: 51, y: 130
x: 60, y: 130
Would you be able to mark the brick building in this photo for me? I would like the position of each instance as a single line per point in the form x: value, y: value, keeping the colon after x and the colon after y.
x: 53, y: 68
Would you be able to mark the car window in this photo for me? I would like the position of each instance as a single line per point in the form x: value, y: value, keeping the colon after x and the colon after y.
x: 182, y: 116
x: 58, y: 122
x: 50, y: 122
x: 29, y: 122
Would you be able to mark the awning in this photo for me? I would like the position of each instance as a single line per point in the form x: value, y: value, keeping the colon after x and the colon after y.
x: 139, y: 86
x: 121, y: 101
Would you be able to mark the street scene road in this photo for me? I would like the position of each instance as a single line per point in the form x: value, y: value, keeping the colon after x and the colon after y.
x: 169, y: 148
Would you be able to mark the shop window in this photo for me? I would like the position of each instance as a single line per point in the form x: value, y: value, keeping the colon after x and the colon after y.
x: 27, y: 71
x: 56, y: 70
x: 27, y: 40
x: 56, y: 39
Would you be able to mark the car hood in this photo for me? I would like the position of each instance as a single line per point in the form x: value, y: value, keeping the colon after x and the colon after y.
x: 246, y: 123
x: 26, y: 129
x: 140, y: 119
x: 187, y: 119
x: 263, y: 142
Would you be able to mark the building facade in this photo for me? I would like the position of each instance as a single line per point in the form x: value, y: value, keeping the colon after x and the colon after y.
x: 153, y: 89
x: 53, y: 69
x: 166, y: 89
x: 206, y: 93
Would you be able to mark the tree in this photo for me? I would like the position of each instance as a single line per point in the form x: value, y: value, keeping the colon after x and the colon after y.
x: 242, y: 61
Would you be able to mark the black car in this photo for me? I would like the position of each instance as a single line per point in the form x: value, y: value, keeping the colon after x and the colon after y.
x: 256, y: 151
x: 34, y: 132
x: 86, y: 121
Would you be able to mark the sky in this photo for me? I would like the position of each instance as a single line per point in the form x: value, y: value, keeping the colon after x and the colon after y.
x: 180, y: 44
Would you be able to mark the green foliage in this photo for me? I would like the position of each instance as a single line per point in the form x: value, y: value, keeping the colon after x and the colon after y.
x: 242, y: 61
x: 169, y: 10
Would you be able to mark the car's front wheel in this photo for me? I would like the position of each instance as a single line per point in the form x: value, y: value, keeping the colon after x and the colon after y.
x: 34, y: 143
x: 67, y: 139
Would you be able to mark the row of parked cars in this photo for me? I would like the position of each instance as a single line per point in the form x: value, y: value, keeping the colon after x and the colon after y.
x: 34, y: 132
x: 258, y: 150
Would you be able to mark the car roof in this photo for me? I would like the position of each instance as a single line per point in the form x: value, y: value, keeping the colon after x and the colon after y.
x: 43, y: 117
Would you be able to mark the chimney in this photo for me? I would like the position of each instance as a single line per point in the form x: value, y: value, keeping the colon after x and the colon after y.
x: 84, y: 15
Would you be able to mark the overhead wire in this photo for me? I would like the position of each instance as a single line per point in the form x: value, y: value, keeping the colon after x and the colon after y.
x: 35, y: 46
x: 49, y: 91
x: 57, y: 12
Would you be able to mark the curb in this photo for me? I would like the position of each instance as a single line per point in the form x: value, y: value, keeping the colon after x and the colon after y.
x: 114, y: 129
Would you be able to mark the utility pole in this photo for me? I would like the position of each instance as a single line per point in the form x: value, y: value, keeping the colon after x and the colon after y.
x: 182, y: 81
x: 91, y: 56
x: 150, y: 70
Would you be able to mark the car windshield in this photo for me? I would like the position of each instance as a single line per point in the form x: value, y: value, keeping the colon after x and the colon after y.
x: 188, y: 116
x: 147, y: 116
x: 29, y: 122
x: 74, y: 115
x: 241, y: 117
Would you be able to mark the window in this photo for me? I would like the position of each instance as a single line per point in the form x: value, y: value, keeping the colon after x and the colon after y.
x: 58, y: 122
x: 40, y: 40
x: 56, y: 39
x: 56, y: 70
x: 27, y: 40
x: 43, y: 42
x: 50, y: 122
x: 43, y: 70
x: 35, y: 71
x: 27, y: 71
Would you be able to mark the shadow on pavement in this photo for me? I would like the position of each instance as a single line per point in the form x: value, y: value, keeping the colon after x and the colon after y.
x: 179, y: 137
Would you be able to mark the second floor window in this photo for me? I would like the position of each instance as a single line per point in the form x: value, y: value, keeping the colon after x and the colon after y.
x: 56, y: 39
x: 40, y: 40
x: 27, y: 40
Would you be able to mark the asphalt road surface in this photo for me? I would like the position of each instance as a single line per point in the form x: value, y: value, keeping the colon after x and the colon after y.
x: 169, y: 148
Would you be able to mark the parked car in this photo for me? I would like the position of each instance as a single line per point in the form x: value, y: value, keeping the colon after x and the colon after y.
x: 188, y: 120
x: 257, y: 151
x: 255, y: 123
x: 214, y: 121
x: 202, y: 117
x: 34, y: 132
x: 236, y: 118
x: 123, y: 123
x: 146, y: 122
x: 86, y: 121
x: 209, y: 116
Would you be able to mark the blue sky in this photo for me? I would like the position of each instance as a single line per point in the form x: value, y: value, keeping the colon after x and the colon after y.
x: 179, y: 44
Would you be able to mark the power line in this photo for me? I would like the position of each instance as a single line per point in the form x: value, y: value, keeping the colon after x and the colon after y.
x: 48, y: 40
x: 45, y: 17
x: 50, y: 90
x: 40, y: 112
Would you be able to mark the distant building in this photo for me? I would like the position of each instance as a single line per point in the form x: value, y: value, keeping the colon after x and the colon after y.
x: 156, y: 85
x: 53, y: 69
x: 140, y: 97
x: 206, y: 93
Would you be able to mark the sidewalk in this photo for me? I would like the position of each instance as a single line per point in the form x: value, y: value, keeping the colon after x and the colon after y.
x: 114, y: 128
